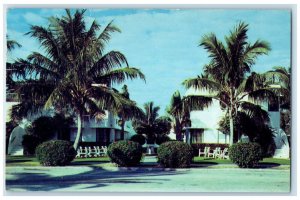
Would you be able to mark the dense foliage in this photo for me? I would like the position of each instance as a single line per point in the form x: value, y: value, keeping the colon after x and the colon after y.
x: 150, y: 124
x: 43, y: 129
x: 125, y: 153
x: 139, y: 139
x: 175, y: 154
x: 245, y: 155
x: 55, y: 153
x: 29, y: 143
x: 255, y: 127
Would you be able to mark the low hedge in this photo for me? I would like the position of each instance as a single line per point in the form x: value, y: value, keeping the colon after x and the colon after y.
x: 245, y: 155
x: 175, y: 154
x: 125, y: 153
x: 55, y: 153
x: 201, y: 146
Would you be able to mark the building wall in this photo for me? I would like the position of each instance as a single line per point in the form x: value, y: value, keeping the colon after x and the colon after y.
x: 208, y: 119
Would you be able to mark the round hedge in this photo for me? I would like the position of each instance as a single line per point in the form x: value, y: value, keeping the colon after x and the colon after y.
x: 175, y: 154
x: 55, y: 153
x: 245, y: 155
x: 139, y: 139
x: 125, y: 153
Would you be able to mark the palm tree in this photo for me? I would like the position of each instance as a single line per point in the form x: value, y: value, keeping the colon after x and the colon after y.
x: 128, y: 112
x: 10, y: 45
x: 225, y: 77
x: 75, y: 73
x: 151, y: 124
x: 281, y: 77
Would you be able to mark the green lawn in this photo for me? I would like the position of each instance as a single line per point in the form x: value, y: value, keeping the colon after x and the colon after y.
x: 266, y: 161
x: 12, y: 161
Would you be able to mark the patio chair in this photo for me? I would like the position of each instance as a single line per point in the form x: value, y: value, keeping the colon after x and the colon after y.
x: 87, y: 152
x: 214, y: 153
x: 103, y: 151
x: 91, y: 152
x: 224, y: 154
x: 81, y: 152
x: 217, y: 152
x: 97, y: 151
x: 204, y: 152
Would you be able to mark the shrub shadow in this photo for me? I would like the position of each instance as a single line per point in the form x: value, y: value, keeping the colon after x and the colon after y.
x: 95, y: 178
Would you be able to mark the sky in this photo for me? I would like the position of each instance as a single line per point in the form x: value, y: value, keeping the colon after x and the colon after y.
x: 164, y: 43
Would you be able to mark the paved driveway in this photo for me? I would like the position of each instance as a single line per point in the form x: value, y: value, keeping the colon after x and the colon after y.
x: 112, y: 179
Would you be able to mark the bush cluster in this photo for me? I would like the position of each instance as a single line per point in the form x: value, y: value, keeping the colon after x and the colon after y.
x: 245, y: 155
x: 175, y: 154
x: 125, y: 153
x: 55, y: 153
x: 139, y: 139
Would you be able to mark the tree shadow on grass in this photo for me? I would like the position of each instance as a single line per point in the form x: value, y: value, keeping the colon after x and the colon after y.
x: 265, y: 165
x: 95, y: 178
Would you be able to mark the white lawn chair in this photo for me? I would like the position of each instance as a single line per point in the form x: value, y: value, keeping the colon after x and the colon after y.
x: 97, y: 151
x: 103, y: 151
x: 204, y: 152
x: 217, y: 152
x: 89, y: 152
x: 224, y: 154
x: 81, y: 152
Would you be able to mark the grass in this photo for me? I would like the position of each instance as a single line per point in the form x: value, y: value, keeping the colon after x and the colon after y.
x: 26, y: 161
x: 266, y: 161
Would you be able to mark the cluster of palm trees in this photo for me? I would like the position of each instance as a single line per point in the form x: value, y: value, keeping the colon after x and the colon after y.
x: 75, y: 74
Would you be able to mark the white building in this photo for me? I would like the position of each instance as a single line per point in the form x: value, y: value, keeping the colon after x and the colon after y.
x: 204, y: 125
x: 94, y: 132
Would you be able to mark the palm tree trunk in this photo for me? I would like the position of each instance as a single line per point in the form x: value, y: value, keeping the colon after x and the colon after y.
x: 231, y: 127
x: 79, y: 131
x: 122, y: 129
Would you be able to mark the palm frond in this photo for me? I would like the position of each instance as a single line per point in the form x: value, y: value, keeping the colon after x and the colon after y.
x: 106, y: 63
x: 196, y: 102
x: 202, y: 83
x: 120, y: 75
x: 255, y: 111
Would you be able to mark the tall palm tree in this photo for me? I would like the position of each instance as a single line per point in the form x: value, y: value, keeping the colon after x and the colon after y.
x: 151, y: 124
x: 225, y: 77
x: 10, y: 45
x: 129, y: 111
x: 179, y: 110
x: 75, y: 73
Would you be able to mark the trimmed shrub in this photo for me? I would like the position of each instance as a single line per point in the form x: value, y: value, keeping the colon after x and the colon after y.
x: 125, y: 153
x: 55, y: 153
x: 162, y: 139
x: 175, y: 154
x: 29, y: 143
x: 245, y: 155
x: 139, y: 139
